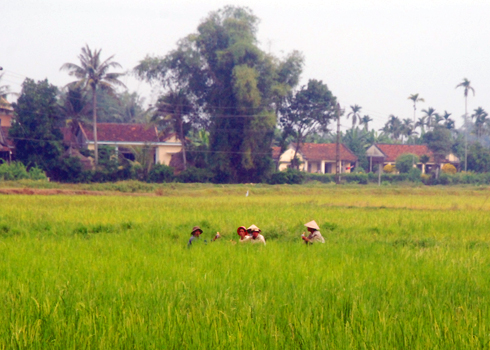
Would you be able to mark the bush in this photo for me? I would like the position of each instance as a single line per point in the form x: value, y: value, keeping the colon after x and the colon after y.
x: 388, y: 168
x: 193, y: 174
x: 290, y: 176
x: 448, y: 169
x: 161, y: 173
x: 37, y: 174
x: 405, y: 162
x: 13, y: 171
x: 414, y: 175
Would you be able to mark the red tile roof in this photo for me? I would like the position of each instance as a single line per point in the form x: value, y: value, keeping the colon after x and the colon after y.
x: 394, y: 151
x: 122, y: 132
x: 326, y: 151
x: 276, y: 152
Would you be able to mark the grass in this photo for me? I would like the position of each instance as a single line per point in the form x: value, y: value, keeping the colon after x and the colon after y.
x: 401, y: 268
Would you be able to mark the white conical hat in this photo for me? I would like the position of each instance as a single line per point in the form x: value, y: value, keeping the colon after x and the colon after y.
x: 312, y: 224
x: 253, y: 228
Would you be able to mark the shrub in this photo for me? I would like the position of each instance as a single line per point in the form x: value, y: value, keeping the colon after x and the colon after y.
x: 193, y: 174
x: 414, y: 174
x: 290, y: 176
x: 405, y: 162
x: 161, y: 173
x: 13, y: 171
x: 37, y: 174
x: 448, y: 169
x: 388, y: 168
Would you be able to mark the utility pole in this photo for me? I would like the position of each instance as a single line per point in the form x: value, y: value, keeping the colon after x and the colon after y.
x: 337, y: 153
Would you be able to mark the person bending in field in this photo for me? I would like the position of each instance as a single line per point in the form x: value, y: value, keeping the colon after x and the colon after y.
x: 315, y: 235
x: 256, y: 236
x: 244, y: 236
x: 196, y: 232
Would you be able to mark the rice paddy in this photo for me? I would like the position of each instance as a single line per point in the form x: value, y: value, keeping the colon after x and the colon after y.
x: 401, y: 268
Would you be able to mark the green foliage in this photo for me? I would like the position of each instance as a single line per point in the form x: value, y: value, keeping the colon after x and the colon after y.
x: 13, y: 171
x: 17, y: 171
x: 67, y: 265
x: 405, y: 162
x: 307, y: 111
x: 193, y: 174
x: 236, y: 84
x: 439, y: 142
x: 289, y: 176
x: 35, y: 131
x: 414, y: 174
x: 161, y: 173
x: 478, y: 158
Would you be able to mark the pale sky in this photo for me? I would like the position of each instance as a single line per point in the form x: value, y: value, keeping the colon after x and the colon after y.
x: 373, y: 53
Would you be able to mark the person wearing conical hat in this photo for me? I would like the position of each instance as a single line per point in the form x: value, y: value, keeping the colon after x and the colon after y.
x: 196, y: 232
x: 242, y: 232
x: 315, y: 235
x: 256, y: 236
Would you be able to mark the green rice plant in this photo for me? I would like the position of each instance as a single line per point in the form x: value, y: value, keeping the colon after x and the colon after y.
x: 401, y: 268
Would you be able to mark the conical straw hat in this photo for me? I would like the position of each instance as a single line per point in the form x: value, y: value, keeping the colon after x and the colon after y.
x: 253, y: 228
x: 312, y: 224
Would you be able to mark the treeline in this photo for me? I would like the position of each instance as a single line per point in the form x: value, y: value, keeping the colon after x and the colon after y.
x: 228, y: 102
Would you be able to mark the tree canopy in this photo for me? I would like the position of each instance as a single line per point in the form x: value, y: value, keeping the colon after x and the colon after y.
x: 36, y: 125
x: 236, y: 86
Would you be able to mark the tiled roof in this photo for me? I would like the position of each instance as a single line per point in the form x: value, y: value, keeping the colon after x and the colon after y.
x: 122, y: 132
x: 276, y: 152
x: 68, y: 137
x: 326, y: 151
x: 394, y: 151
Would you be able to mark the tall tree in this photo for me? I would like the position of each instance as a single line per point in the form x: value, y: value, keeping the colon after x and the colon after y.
x: 308, y: 110
x: 421, y: 122
x: 466, y: 85
x: 35, y: 131
x: 354, y: 114
x: 236, y: 86
x: 481, y: 121
x: 415, y: 98
x: 439, y: 141
x: 174, y: 112
x: 93, y: 73
x: 430, y: 114
x: 448, y: 122
x: 393, y: 127
x: 365, y: 120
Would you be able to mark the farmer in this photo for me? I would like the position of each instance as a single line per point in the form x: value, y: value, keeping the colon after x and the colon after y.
x: 196, y: 232
x: 315, y: 235
x: 242, y: 232
x: 256, y: 236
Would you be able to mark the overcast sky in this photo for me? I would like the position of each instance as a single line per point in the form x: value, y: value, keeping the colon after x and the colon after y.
x: 373, y: 53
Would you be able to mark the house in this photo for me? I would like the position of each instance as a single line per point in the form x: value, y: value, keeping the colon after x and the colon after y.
x: 6, y: 112
x: 316, y: 158
x: 6, y: 144
x: 124, y: 137
x: 387, y: 154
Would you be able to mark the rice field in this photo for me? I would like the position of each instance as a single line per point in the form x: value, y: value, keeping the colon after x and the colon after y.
x: 401, y: 268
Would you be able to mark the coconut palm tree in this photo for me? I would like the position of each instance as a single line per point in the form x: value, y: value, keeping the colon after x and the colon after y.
x: 481, y: 121
x: 430, y: 114
x: 93, y: 73
x: 466, y: 84
x: 448, y: 122
x: 393, y: 127
x: 420, y: 124
x: 415, y: 98
x: 365, y: 121
x: 354, y: 113
x: 172, y: 110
